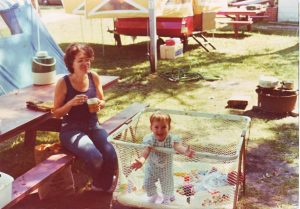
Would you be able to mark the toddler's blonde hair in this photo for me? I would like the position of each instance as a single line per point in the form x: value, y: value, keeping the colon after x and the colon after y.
x: 160, y: 116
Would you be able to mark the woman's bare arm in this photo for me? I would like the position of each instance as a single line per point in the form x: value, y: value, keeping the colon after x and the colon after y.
x: 99, y: 89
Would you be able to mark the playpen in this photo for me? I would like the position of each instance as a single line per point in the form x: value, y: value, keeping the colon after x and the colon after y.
x: 213, y: 178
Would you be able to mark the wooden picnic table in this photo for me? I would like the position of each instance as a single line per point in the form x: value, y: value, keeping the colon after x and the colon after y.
x: 17, y: 118
x: 239, y: 17
x: 239, y: 13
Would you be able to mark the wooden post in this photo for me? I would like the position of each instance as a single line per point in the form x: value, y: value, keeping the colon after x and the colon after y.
x: 35, y: 4
x: 152, y: 27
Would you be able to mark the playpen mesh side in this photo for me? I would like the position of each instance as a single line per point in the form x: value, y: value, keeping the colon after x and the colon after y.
x: 199, y: 182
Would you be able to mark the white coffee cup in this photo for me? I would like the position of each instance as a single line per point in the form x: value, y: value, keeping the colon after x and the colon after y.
x: 93, y: 105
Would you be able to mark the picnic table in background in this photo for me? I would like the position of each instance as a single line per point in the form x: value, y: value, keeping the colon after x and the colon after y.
x: 239, y: 17
x: 251, y: 2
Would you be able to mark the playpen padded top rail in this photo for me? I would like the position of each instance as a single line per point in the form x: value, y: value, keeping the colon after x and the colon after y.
x: 123, y: 117
x: 170, y: 150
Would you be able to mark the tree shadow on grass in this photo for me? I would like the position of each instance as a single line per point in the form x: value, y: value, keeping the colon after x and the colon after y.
x: 131, y: 64
x: 124, y: 57
x: 272, y: 175
x: 112, y: 59
x: 225, y: 34
x: 267, y: 116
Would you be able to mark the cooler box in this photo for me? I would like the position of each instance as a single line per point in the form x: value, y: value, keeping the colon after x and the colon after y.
x: 171, y: 52
x: 5, y: 189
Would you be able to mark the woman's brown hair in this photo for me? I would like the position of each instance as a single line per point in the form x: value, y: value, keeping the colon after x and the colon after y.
x: 72, y: 50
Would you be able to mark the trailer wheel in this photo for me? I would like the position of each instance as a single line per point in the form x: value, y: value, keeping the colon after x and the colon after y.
x: 184, y: 41
x: 159, y: 42
x: 117, y: 38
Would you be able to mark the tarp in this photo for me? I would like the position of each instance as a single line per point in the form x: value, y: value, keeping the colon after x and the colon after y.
x: 74, y: 6
x: 140, y: 8
x: 201, y: 6
x: 119, y: 8
x: 177, y: 8
x: 19, y: 47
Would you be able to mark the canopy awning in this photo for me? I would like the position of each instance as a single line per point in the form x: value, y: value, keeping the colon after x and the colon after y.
x: 139, y: 8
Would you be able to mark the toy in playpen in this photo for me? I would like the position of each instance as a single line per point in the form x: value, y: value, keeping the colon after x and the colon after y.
x: 211, y: 179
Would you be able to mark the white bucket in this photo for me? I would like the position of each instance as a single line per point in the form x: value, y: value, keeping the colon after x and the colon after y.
x: 5, y: 189
x: 171, y: 52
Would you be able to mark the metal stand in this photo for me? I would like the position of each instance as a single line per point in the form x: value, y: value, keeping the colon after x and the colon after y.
x: 204, y: 43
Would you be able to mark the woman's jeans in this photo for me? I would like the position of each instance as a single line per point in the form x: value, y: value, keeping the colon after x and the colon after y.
x: 89, y: 143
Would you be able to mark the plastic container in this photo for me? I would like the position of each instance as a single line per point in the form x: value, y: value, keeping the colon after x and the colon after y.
x: 171, y: 52
x: 43, y: 68
x: 5, y: 189
x: 177, y: 40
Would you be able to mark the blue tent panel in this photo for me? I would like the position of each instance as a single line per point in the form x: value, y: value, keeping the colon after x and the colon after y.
x: 17, y: 50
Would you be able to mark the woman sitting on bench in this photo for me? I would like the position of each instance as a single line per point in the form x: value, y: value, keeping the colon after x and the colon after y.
x: 81, y: 133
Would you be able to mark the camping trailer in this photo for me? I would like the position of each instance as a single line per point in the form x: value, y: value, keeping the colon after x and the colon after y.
x: 181, y: 27
x: 175, y: 18
x: 180, y: 19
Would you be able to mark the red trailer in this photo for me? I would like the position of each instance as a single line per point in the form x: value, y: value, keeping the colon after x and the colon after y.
x: 180, y: 27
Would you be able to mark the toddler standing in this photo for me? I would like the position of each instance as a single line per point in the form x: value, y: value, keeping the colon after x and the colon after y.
x: 159, y: 166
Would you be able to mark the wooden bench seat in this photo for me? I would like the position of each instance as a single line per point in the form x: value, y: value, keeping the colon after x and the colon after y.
x: 32, y: 179
x: 237, y: 23
x: 259, y: 16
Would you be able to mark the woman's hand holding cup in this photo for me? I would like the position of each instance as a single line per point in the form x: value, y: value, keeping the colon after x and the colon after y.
x: 79, y: 100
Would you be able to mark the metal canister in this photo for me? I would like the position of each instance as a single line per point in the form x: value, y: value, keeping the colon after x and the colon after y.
x: 43, y: 68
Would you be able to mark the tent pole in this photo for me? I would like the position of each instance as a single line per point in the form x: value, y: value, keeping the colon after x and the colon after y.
x: 102, y: 37
x: 152, y: 22
x: 38, y: 37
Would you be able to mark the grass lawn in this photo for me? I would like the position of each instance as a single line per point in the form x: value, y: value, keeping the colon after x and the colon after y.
x: 273, y: 148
